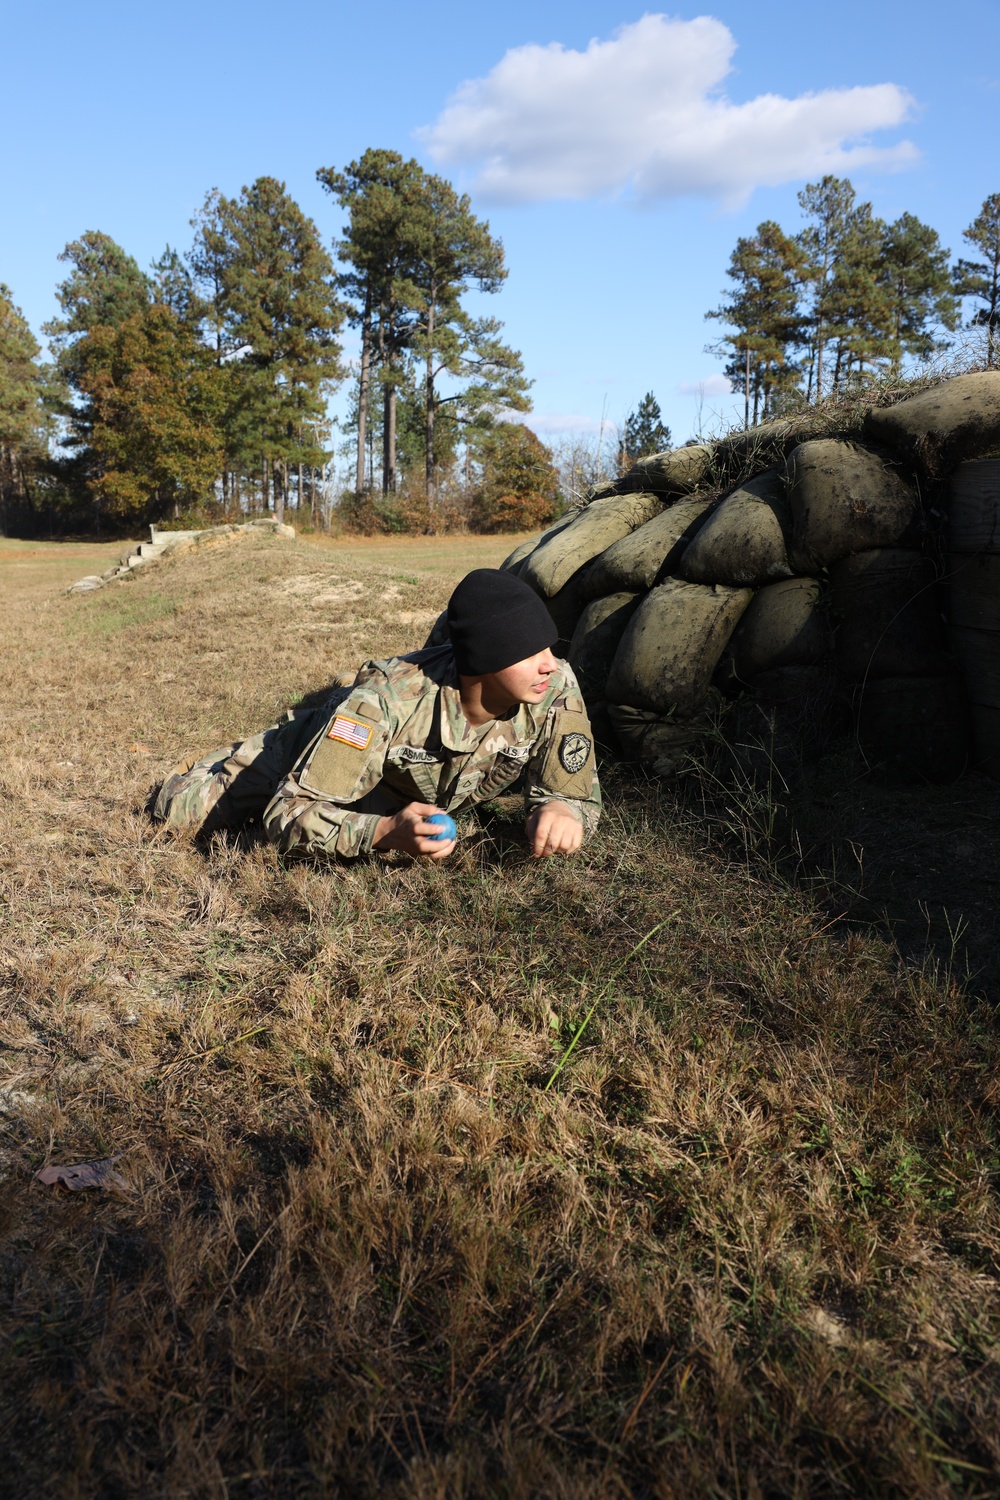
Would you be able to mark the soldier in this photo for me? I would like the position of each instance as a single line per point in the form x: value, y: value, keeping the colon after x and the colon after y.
x: 435, y: 731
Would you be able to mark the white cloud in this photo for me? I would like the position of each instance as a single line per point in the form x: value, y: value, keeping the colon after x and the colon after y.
x: 645, y: 112
x: 542, y: 423
x: 713, y: 385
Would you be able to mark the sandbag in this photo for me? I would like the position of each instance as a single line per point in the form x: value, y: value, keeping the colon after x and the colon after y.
x: 512, y: 563
x: 974, y: 591
x: 978, y: 656
x: 914, y: 728
x: 843, y: 499
x: 956, y: 420
x: 888, y: 619
x: 635, y: 561
x: 663, y: 744
x: 743, y: 541
x: 567, y: 606
x: 676, y: 472
x: 672, y: 646
x: 592, y: 530
x: 974, y: 507
x: 595, y: 641
x: 782, y: 627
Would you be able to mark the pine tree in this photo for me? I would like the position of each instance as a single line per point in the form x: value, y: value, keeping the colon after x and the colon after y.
x: 380, y: 193
x: 274, y: 314
x: 412, y: 249
x: 104, y: 288
x: 173, y: 286
x: 22, y: 413
x: 450, y: 251
x: 981, y: 278
x: 151, y: 392
x: 644, y: 432
x: 763, y: 308
x: 829, y: 205
x: 857, y: 299
x: 918, y: 289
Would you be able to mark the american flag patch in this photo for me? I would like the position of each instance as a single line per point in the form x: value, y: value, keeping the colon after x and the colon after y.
x: 350, y: 732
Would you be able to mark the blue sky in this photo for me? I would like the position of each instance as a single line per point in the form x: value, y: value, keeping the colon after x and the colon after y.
x: 618, y: 153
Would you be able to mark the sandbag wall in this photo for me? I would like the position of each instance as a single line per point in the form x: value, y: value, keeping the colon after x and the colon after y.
x: 809, y: 595
x: 974, y: 599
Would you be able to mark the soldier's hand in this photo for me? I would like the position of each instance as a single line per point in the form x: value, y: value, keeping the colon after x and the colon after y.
x: 409, y: 831
x: 553, y: 829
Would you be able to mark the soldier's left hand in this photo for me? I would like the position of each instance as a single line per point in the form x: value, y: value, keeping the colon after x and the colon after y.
x: 553, y: 829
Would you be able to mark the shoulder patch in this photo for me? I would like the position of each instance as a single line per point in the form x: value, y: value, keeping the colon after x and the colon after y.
x: 350, y: 732
x: 568, y: 767
x: 573, y: 752
x: 344, y: 762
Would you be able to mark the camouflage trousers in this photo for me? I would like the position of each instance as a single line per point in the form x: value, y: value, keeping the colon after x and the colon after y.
x: 234, y: 784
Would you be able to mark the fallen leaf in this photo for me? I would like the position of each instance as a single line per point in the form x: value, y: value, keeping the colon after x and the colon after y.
x: 86, y: 1174
x: 138, y: 749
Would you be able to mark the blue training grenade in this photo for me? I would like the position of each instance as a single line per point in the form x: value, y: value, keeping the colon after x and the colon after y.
x: 448, y: 829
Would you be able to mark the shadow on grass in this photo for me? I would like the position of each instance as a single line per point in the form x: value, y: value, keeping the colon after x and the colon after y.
x: 920, y: 863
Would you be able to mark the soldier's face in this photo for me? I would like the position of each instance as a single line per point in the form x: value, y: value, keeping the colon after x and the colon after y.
x: 526, y: 681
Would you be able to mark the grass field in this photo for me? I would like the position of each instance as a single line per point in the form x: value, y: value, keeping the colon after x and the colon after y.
x: 643, y: 1174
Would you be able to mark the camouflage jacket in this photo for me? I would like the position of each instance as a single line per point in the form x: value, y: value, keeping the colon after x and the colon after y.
x: 399, y: 735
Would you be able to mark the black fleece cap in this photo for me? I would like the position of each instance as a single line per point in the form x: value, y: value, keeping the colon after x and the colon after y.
x: 495, y: 620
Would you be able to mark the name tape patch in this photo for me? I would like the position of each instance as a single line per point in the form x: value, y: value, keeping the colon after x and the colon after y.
x: 350, y: 732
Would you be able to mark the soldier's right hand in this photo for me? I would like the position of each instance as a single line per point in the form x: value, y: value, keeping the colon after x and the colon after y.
x: 409, y: 831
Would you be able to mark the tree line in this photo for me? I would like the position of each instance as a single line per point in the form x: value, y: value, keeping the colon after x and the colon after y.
x: 848, y: 297
x: 203, y: 382
x: 206, y: 378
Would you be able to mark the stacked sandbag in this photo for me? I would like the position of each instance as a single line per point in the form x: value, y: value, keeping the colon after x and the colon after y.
x: 512, y: 563
x: 844, y: 499
x: 789, y: 572
x: 912, y: 723
x: 779, y: 667
x: 974, y: 599
x: 954, y: 421
x: 556, y: 567
x: 596, y: 639
x: 563, y: 553
x: 671, y: 647
x: 786, y: 628
x: 665, y: 745
x: 676, y: 472
x: 744, y: 541
x: 640, y: 558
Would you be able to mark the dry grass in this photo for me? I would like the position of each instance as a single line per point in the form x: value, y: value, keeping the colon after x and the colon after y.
x: 746, y: 1243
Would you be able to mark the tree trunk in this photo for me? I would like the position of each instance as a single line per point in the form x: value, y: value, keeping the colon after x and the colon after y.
x: 746, y: 391
x: 298, y: 497
x: 389, y: 439
x: 366, y: 361
x: 819, y: 369
x: 429, y: 431
x: 280, y: 486
x: 265, y: 486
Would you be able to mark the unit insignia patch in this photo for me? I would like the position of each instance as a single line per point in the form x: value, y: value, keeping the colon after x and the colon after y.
x: 573, y: 752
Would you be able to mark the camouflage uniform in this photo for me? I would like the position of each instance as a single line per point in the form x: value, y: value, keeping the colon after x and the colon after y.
x: 323, y: 777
